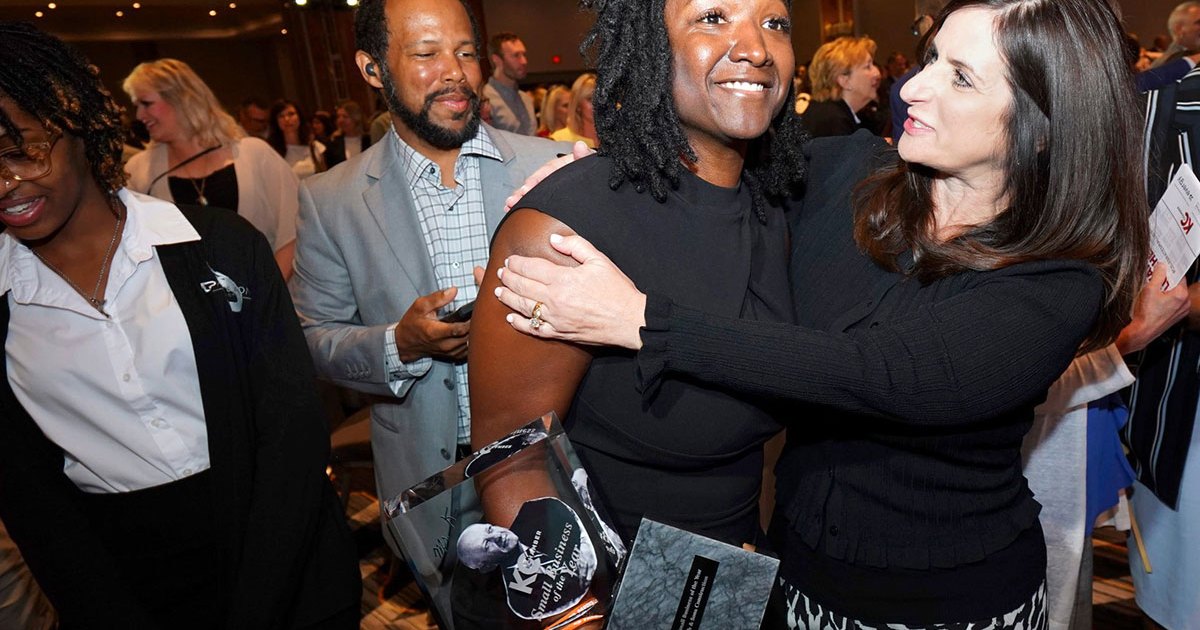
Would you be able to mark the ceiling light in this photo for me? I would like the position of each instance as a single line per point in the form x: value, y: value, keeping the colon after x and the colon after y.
x: 38, y: 13
x: 51, y: 6
x: 283, y: 31
x: 301, y: 3
x: 120, y: 14
x: 351, y: 3
x: 212, y: 13
x: 232, y: 5
x: 137, y: 5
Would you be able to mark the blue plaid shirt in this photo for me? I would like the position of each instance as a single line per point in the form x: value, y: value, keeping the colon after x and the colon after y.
x: 454, y: 228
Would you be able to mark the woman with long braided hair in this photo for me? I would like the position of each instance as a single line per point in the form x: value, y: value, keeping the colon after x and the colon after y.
x: 162, y: 456
x: 697, y: 149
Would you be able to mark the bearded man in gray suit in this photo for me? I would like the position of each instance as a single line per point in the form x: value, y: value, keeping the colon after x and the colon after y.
x: 388, y: 240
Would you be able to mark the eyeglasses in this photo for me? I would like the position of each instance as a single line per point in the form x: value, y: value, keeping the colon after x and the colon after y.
x: 28, y: 162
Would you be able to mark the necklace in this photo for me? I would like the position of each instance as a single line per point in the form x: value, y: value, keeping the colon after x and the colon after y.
x: 200, y: 190
x: 94, y: 299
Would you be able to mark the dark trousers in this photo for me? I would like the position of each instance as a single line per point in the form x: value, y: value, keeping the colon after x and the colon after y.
x: 163, y: 541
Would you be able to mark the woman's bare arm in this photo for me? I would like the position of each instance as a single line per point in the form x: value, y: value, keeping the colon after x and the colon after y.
x: 514, y: 377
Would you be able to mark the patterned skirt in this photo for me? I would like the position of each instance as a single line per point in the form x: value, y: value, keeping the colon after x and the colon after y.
x: 805, y: 614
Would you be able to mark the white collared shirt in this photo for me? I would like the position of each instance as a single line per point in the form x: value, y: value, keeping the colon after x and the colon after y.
x: 120, y: 395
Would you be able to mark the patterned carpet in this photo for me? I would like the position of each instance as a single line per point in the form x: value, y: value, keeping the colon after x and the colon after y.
x: 404, y: 610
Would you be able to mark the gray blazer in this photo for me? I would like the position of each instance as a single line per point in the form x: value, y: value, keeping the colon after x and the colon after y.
x: 361, y: 261
x: 503, y: 116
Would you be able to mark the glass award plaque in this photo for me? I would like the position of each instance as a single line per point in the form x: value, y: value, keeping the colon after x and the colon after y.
x: 509, y: 537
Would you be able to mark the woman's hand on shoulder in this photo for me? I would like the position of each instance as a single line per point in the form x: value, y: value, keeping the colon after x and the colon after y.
x: 594, y: 303
x: 578, y: 151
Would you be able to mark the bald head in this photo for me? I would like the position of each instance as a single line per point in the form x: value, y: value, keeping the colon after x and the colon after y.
x: 1184, y: 25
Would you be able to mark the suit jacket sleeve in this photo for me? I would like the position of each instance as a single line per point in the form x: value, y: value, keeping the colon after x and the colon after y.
x: 344, y: 350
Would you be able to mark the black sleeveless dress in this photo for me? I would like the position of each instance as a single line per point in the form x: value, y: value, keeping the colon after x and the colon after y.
x: 684, y: 453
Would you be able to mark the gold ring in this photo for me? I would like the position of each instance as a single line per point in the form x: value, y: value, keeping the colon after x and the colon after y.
x: 535, y: 319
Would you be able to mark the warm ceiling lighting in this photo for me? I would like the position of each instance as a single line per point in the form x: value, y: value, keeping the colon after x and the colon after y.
x: 283, y: 31
x: 51, y: 6
x: 120, y: 14
x: 351, y: 3
x: 38, y: 13
x: 137, y: 5
x: 212, y: 13
x: 232, y: 5
x: 301, y: 3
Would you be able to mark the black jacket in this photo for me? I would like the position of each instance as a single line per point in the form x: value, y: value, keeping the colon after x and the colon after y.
x: 286, y: 553
x: 335, y: 152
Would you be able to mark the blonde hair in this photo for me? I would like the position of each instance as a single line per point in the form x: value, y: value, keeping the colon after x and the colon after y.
x: 550, y: 122
x: 834, y: 59
x: 581, y: 90
x: 199, y: 113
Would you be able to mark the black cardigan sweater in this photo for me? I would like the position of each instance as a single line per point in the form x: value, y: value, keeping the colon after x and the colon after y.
x: 286, y: 552
x: 909, y: 403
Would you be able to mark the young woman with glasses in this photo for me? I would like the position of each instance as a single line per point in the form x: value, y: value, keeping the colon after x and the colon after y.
x: 162, y: 455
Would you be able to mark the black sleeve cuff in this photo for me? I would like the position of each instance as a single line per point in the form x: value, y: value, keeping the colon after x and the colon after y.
x: 652, y: 358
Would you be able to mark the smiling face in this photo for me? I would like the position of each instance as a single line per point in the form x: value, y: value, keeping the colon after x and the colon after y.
x: 732, y: 67
x: 499, y: 540
x: 861, y: 84
x: 433, y: 75
x: 482, y: 545
x: 158, y: 115
x: 36, y: 209
x: 288, y: 119
x: 960, y: 101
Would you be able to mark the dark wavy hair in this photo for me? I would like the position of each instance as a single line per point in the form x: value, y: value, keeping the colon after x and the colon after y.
x: 636, y: 117
x: 1073, y: 180
x: 275, y: 136
x: 54, y: 83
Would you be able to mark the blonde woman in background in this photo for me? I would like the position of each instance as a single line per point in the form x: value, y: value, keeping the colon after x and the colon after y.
x: 580, y: 122
x: 556, y: 108
x: 845, y: 80
x: 199, y: 155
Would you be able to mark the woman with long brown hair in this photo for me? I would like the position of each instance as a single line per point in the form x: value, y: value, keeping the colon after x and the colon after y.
x: 938, y: 297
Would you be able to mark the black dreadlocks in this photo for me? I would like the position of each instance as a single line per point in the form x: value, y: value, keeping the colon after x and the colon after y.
x: 636, y: 117
x: 55, y: 84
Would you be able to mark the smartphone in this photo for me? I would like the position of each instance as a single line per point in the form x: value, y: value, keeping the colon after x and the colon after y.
x: 461, y: 314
